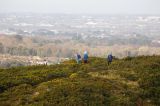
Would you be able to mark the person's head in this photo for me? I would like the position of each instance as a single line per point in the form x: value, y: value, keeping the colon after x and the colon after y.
x: 85, y: 52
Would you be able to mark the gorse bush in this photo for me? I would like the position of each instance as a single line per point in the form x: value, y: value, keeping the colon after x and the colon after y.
x: 126, y: 82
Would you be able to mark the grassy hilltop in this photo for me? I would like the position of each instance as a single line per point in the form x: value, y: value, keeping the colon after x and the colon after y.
x: 126, y: 82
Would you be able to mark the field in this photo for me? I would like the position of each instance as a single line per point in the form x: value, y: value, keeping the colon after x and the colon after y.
x: 132, y: 81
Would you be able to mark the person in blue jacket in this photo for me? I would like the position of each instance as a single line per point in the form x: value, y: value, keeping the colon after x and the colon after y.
x: 110, y: 58
x: 85, y: 57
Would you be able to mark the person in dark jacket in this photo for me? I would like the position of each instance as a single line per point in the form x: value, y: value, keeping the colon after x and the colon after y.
x: 78, y: 58
x: 110, y: 58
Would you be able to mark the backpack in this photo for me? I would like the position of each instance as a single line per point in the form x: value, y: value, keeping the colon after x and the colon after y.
x: 85, y: 56
x: 110, y: 57
x: 79, y: 57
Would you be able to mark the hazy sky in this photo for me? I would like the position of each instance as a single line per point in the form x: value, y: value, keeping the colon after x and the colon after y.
x: 82, y: 6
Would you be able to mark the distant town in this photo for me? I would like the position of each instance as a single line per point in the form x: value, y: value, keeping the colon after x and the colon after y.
x: 41, y: 38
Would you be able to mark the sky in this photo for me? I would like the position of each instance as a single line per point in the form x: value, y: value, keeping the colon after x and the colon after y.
x: 82, y: 6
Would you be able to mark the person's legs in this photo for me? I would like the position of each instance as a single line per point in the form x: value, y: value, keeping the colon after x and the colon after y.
x: 85, y: 61
x: 77, y: 61
x: 108, y: 62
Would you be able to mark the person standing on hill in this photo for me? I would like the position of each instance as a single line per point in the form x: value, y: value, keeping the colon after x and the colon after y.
x: 85, y: 57
x: 110, y: 58
x: 78, y: 58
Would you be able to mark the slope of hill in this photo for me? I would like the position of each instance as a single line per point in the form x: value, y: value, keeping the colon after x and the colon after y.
x: 126, y: 82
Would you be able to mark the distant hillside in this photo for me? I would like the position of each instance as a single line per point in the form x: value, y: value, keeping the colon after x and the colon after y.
x: 65, y: 47
x: 126, y: 82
